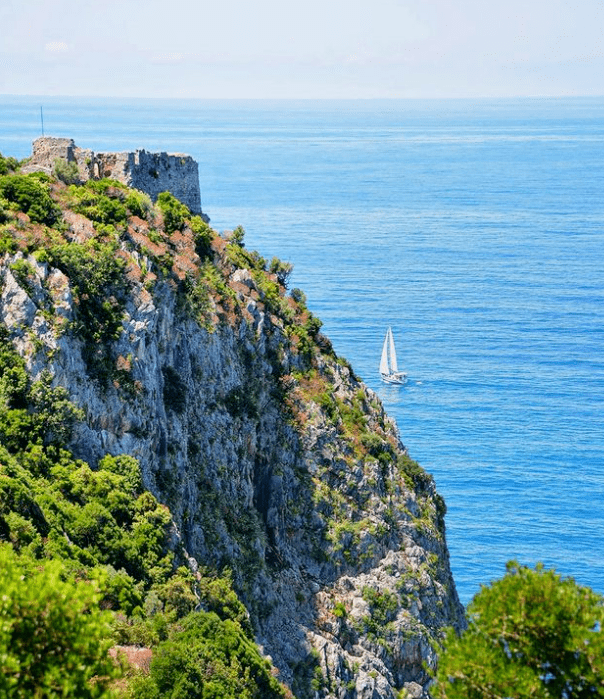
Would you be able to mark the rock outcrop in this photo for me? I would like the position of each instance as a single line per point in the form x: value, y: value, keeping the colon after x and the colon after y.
x: 274, y: 458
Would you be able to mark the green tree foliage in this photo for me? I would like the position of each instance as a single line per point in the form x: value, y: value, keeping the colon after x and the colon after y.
x: 139, y: 204
x: 53, y: 415
x: 202, y: 234
x: 66, y: 171
x: 530, y: 634
x: 108, y: 202
x: 95, y: 273
x: 208, y: 658
x: 97, y: 276
x: 281, y: 269
x: 237, y: 236
x: 31, y: 414
x: 100, y: 201
x: 7, y: 164
x: 174, y: 212
x: 30, y: 195
x: 53, y: 636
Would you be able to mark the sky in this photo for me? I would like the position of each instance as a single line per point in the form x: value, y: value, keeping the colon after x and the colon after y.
x: 310, y: 50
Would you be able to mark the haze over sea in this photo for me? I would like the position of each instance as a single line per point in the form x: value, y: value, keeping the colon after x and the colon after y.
x: 473, y: 228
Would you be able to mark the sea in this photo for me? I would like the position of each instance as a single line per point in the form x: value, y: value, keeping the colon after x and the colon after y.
x: 475, y: 229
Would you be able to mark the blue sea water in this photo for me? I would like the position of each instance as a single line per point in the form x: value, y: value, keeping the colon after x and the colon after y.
x: 473, y: 228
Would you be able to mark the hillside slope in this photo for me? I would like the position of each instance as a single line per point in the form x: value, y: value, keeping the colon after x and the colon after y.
x: 182, y: 349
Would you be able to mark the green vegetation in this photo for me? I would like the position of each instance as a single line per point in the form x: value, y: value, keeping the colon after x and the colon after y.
x: 201, y: 289
x: 102, y: 201
x: 96, y: 274
x: 65, y: 171
x: 29, y: 193
x: 84, y: 540
x: 281, y: 269
x: 174, y: 212
x: 237, y: 236
x: 530, y: 634
x: 414, y: 474
x: 8, y: 164
x: 202, y: 235
x: 203, y: 641
x: 383, y: 607
x: 53, y: 636
x: 108, y: 202
x: 23, y: 272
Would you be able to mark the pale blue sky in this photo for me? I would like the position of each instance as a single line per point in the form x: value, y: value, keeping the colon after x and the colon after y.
x: 310, y: 49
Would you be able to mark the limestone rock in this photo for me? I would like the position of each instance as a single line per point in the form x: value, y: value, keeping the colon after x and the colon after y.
x: 285, y: 469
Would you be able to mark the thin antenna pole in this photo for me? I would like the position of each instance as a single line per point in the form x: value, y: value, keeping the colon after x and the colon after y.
x: 42, y: 119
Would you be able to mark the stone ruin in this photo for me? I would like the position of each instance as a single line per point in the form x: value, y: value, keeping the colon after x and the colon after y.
x: 151, y: 173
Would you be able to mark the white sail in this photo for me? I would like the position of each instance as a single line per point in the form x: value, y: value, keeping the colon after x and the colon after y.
x: 393, y: 364
x: 384, y: 361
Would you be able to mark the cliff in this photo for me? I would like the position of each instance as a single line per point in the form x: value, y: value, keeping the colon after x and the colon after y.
x: 184, y: 350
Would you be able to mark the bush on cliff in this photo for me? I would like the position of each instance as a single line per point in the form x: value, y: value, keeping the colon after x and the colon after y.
x: 208, y: 658
x: 530, y: 634
x: 174, y: 212
x: 66, y: 171
x: 8, y: 164
x: 53, y: 636
x: 28, y: 194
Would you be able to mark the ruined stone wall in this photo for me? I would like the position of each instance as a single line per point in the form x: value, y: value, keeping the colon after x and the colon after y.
x: 151, y: 173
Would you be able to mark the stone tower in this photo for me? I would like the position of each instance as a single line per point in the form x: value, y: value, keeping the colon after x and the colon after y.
x: 151, y: 173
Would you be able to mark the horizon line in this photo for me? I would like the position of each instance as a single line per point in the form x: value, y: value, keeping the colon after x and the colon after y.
x: 307, y: 99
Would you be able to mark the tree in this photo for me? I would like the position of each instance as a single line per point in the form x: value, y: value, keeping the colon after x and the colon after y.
x: 530, y: 634
x: 237, y: 236
x: 31, y: 196
x: 52, y: 633
x: 208, y: 658
x: 174, y: 212
x: 281, y: 269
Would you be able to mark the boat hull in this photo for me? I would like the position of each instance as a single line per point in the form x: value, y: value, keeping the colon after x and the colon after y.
x: 398, y: 378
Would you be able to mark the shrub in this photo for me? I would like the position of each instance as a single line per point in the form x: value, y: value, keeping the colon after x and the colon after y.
x: 299, y: 297
x: 97, y: 276
x: 127, y: 467
x: 139, y: 204
x: 23, y: 271
x: 7, y: 164
x: 52, y: 634
x: 237, y: 236
x: 339, y: 610
x: 66, y: 171
x: 413, y: 473
x: 54, y: 416
x: 31, y: 196
x: 530, y: 634
x: 6, y: 242
x: 174, y: 212
x: 208, y: 659
x: 202, y: 235
x: 281, y: 269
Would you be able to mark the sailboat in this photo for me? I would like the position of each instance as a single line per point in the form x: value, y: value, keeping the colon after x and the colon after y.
x: 388, y: 366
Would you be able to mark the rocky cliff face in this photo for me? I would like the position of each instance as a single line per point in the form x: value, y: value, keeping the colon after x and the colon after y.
x: 275, y: 459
